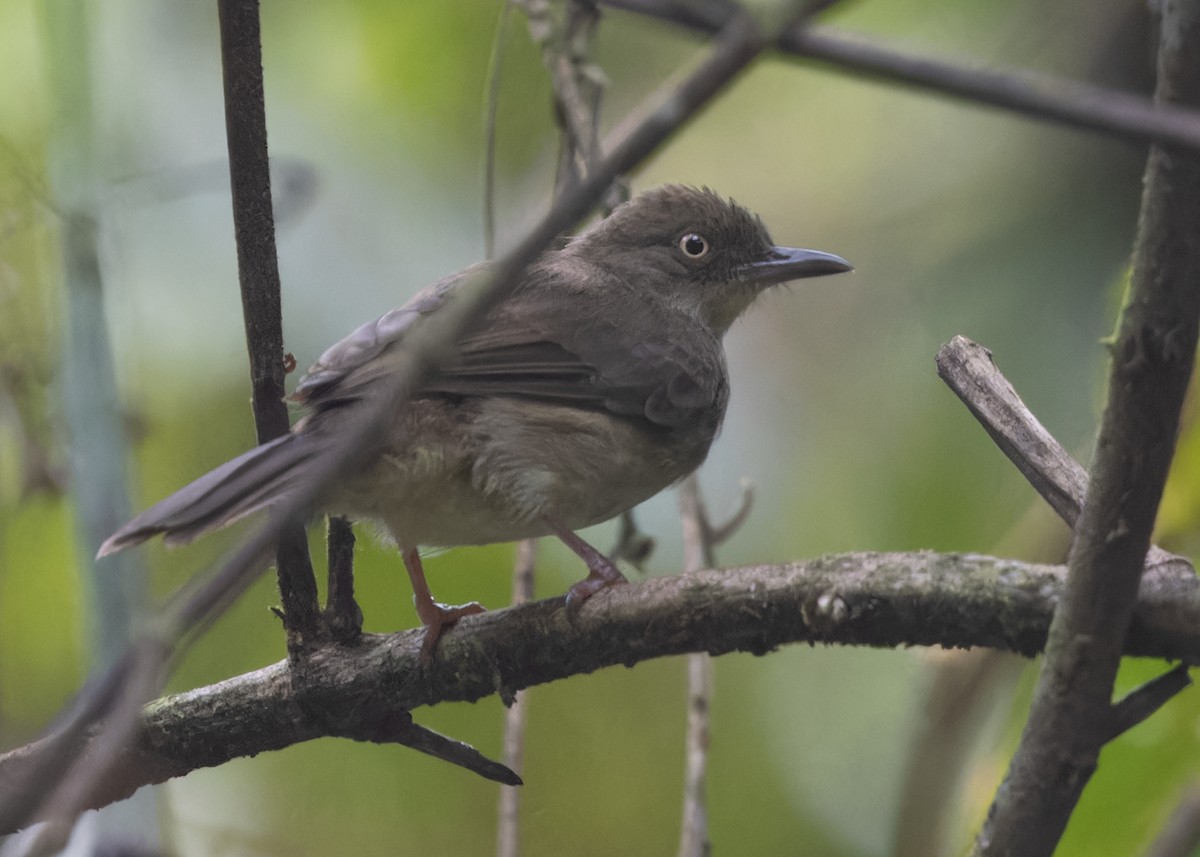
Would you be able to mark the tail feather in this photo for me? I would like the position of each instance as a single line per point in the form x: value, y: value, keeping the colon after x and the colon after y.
x: 246, y: 484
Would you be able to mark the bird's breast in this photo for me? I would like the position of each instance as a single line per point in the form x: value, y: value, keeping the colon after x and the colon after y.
x: 492, y: 469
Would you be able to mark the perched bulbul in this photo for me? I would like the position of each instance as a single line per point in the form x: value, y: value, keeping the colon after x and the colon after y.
x: 597, y: 382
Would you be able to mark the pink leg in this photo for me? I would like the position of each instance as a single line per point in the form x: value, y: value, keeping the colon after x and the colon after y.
x: 602, y: 573
x: 433, y: 616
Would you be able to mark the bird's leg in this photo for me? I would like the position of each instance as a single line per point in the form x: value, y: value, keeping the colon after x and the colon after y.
x: 602, y: 573
x: 433, y: 616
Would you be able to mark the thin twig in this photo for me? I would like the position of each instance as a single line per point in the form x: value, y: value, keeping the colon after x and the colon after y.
x: 718, y: 534
x: 1152, y: 359
x: 342, y: 614
x: 491, y: 106
x: 1146, y: 699
x: 258, y: 275
x: 631, y: 545
x: 693, y: 834
x: 508, y: 827
x: 697, y: 554
x: 699, y: 543
x: 1037, y: 96
x: 418, y: 355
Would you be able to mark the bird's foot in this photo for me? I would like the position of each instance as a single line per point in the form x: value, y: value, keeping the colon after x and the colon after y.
x: 602, y: 571
x: 600, y: 576
x: 435, y: 616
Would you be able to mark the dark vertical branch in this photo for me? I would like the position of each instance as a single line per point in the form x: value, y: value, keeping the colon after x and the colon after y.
x: 342, y: 614
x: 258, y: 274
x: 1152, y: 358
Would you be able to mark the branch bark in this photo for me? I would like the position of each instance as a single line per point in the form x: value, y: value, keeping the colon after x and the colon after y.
x: 1153, y: 354
x: 882, y: 600
x: 258, y: 276
x: 1037, y: 96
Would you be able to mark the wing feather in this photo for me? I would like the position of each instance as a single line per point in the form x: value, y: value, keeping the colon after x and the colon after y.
x: 549, y: 341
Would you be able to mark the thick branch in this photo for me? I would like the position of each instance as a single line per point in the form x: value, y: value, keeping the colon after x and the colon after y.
x: 1153, y: 356
x: 882, y: 600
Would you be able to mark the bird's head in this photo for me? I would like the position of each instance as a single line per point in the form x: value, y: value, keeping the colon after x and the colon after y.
x: 706, y: 255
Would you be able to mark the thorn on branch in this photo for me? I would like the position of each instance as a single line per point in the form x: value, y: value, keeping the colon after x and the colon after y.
x: 399, y: 728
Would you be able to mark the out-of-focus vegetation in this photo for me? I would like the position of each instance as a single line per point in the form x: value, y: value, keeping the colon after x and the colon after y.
x: 958, y: 219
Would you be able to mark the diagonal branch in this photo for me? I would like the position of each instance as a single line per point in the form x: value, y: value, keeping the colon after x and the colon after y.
x: 1039, y: 96
x: 968, y: 370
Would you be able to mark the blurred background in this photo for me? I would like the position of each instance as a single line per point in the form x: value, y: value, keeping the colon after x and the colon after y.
x: 958, y: 220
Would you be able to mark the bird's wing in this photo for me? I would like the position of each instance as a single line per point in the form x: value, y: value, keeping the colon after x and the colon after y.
x: 586, y: 348
x: 545, y: 343
x: 350, y: 367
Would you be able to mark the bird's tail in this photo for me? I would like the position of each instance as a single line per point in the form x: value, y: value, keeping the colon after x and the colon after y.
x: 256, y: 479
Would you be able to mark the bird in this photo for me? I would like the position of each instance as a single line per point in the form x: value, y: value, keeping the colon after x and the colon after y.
x: 596, y: 383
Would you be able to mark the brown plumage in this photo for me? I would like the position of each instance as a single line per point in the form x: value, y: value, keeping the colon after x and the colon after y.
x: 599, y: 381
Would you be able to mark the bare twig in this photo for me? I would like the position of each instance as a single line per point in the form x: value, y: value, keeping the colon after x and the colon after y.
x: 431, y: 743
x: 1146, y: 699
x: 631, y: 545
x: 693, y: 834
x: 882, y: 600
x: 491, y: 106
x: 697, y: 555
x: 1038, y: 96
x: 420, y: 352
x: 718, y: 534
x: 968, y: 369
x: 508, y: 827
x: 1153, y: 355
x: 258, y: 274
x: 343, y: 616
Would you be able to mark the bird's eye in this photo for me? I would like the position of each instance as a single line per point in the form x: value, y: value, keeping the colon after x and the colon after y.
x: 693, y: 246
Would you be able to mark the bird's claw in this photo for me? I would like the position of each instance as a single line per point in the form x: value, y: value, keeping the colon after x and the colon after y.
x: 590, y: 585
x: 435, y: 616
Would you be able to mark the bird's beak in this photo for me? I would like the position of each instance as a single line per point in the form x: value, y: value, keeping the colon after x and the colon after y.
x: 791, y: 263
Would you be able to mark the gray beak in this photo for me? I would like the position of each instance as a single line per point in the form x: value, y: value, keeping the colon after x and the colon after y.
x: 791, y: 263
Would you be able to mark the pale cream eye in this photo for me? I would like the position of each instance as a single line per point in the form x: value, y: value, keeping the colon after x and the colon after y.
x: 693, y: 246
